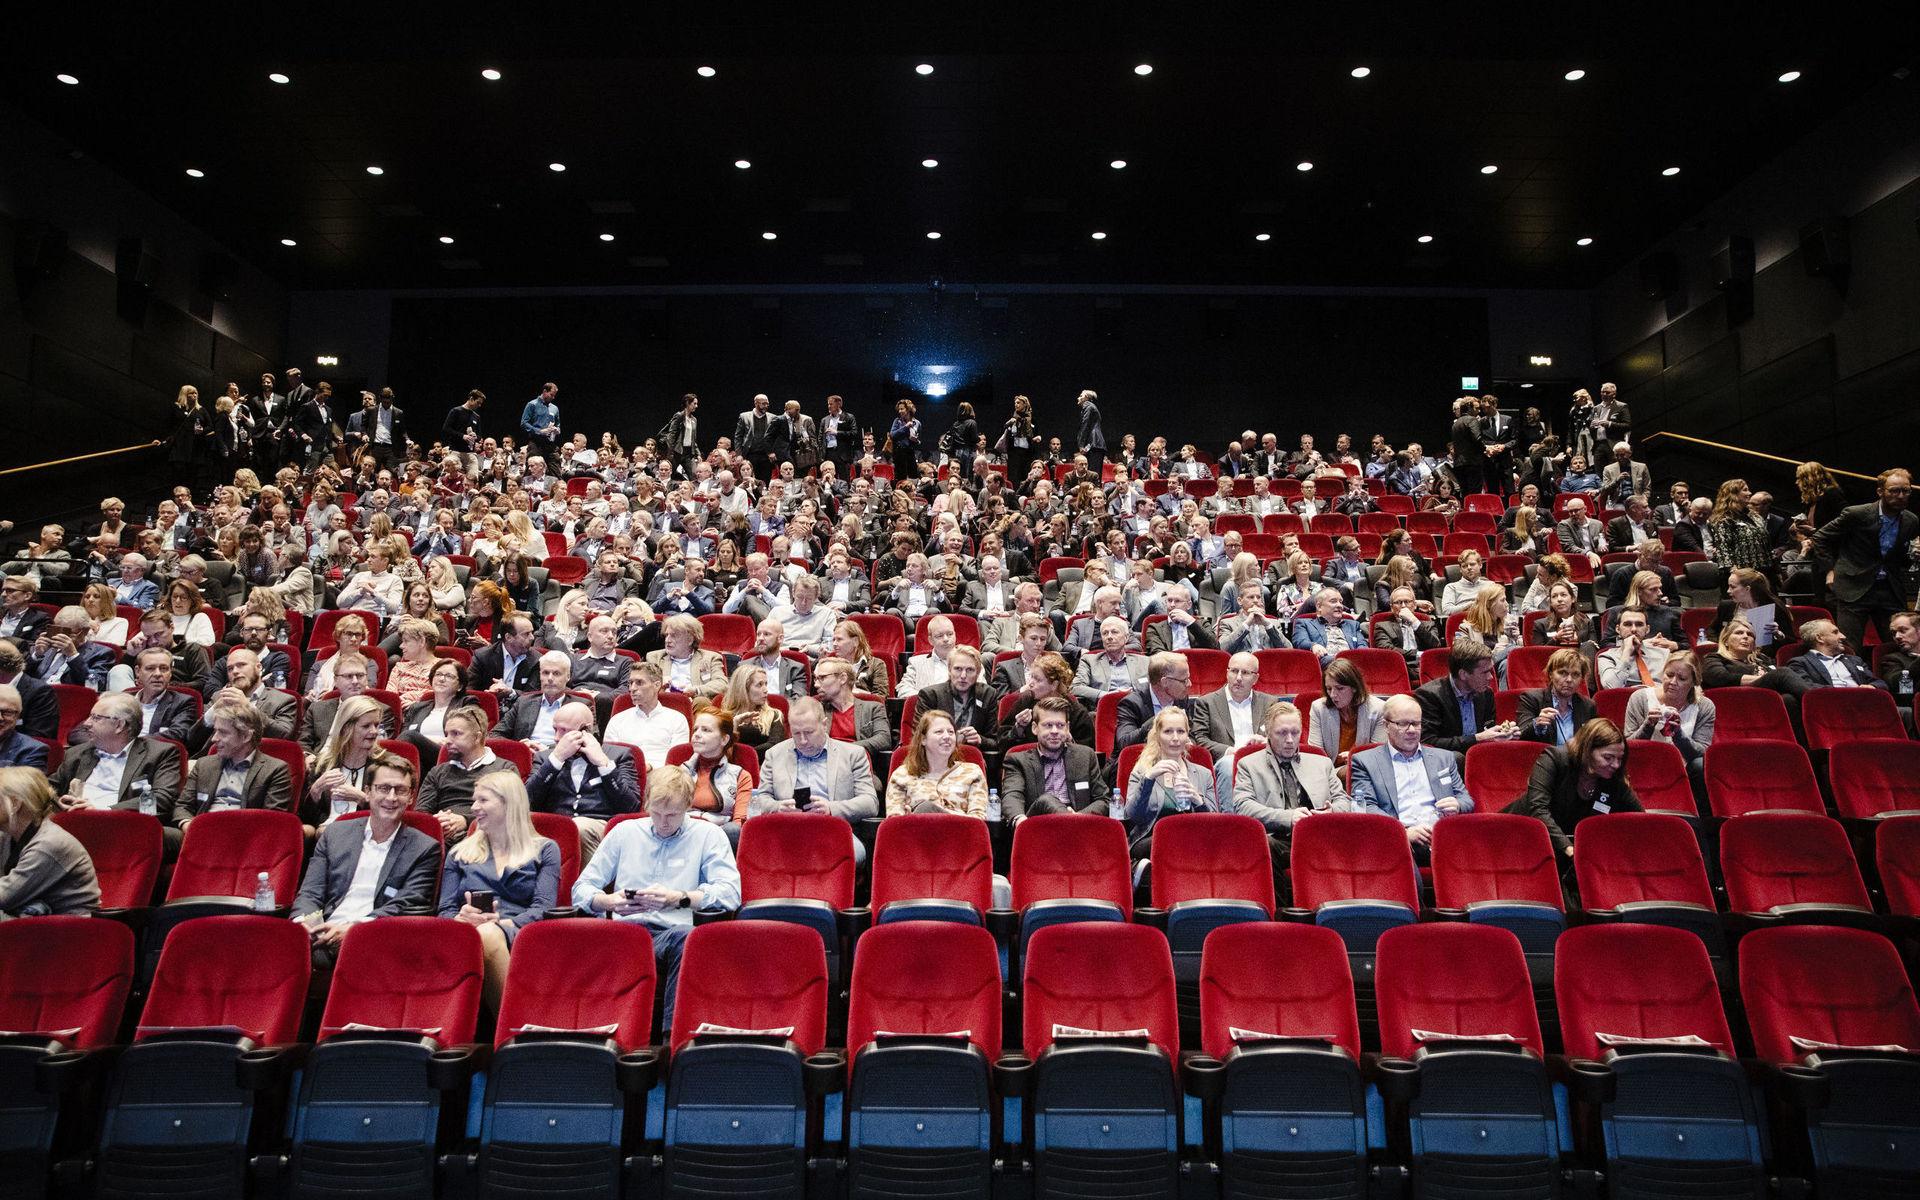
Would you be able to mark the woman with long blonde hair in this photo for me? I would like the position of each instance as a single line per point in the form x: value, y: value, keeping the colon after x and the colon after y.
x: 502, y: 876
x: 1164, y: 780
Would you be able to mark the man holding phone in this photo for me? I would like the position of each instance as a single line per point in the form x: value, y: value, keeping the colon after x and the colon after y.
x: 810, y: 772
x: 656, y: 872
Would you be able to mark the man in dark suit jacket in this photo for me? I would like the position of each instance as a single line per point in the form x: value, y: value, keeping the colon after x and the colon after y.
x: 583, y: 779
x: 17, y: 607
x: 1541, y: 709
x: 1826, y: 662
x: 313, y: 424
x: 234, y: 774
x: 1168, y: 680
x: 405, y: 882
x: 1409, y: 623
x: 39, y: 707
x: 1081, y: 785
x: 1469, y: 451
x: 1446, y: 703
x: 1870, y: 546
x: 1092, y: 440
x: 148, y: 778
x: 173, y: 714
x: 1179, y: 605
x: 510, y: 665
x: 969, y: 699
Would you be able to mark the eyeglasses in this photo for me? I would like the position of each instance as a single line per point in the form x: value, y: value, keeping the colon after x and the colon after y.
x: 390, y: 789
x: 1413, y: 724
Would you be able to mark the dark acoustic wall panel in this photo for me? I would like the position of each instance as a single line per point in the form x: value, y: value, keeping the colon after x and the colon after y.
x: 1697, y: 331
x: 1803, y: 378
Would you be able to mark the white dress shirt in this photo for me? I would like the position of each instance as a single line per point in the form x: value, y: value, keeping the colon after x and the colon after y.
x: 357, y: 905
x: 102, y: 789
x: 1412, y: 790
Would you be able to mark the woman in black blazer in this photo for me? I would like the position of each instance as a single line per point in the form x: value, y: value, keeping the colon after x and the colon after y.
x: 424, y: 722
x: 1556, y: 713
x: 1584, y: 778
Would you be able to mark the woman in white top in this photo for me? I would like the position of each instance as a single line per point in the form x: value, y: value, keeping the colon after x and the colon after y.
x: 1459, y: 594
x: 190, y: 621
x: 1675, y: 710
x: 448, y: 595
x: 1164, y: 781
x: 1346, y: 714
x: 344, y: 766
x: 376, y: 588
x: 1294, y: 585
x: 105, y: 622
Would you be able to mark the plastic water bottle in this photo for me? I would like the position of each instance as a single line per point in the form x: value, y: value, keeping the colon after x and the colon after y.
x: 341, y: 805
x: 993, y: 804
x: 1906, y: 681
x: 263, y: 899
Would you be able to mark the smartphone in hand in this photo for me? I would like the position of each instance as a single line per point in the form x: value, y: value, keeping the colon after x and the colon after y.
x: 481, y: 900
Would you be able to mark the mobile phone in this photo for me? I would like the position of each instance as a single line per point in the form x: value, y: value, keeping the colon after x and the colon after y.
x: 802, y: 797
x: 631, y: 893
x: 481, y: 900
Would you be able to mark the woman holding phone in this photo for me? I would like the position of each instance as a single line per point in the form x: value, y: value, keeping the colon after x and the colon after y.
x: 502, y: 876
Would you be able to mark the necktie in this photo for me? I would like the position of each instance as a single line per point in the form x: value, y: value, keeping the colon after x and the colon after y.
x: 1289, y: 784
x: 1646, y: 676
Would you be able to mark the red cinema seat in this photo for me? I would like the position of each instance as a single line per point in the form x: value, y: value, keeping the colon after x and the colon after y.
x: 224, y: 852
x: 125, y: 848
x: 1874, y: 778
x: 798, y: 867
x: 727, y: 633
x: 579, y: 975
x: 758, y: 975
x: 1384, y: 670
x: 1354, y: 872
x: 1497, y: 772
x: 1669, y: 991
x: 1658, y: 774
x: 1834, y: 715
x: 1290, y: 673
x: 1645, y: 868
x: 1749, y: 714
x: 1760, y: 776
x: 1070, y: 867
x: 1790, y: 865
x: 565, y: 834
x: 1499, y: 869
x: 931, y: 866
x: 1446, y: 980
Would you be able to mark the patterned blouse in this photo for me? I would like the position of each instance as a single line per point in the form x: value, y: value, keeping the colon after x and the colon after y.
x: 961, y: 789
x: 1740, y: 542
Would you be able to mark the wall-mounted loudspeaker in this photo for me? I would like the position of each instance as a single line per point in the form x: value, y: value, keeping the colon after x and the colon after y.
x: 1733, y: 263
x: 38, y: 250
x: 1825, y: 249
x: 1659, y: 275
x: 134, y: 271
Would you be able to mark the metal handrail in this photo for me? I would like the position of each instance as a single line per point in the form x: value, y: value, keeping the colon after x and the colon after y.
x: 61, y: 462
x: 1792, y: 462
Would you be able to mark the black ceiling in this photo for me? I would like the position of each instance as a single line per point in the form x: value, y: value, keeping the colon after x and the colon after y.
x: 1023, y: 111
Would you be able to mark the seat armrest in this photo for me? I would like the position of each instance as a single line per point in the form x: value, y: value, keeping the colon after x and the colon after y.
x: 638, y: 1070
x: 1590, y: 1080
x: 452, y: 1069
x: 1397, y: 1078
x: 267, y: 1067
x: 1154, y: 918
x: 825, y: 1072
x: 1203, y: 1076
x: 62, y: 1071
x: 1013, y: 1075
x: 1003, y: 923
x: 703, y: 916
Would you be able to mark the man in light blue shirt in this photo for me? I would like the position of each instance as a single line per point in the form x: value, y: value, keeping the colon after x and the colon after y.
x: 1416, y: 785
x: 657, y: 871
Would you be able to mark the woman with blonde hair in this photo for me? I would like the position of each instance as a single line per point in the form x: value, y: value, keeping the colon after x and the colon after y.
x: 411, y: 675
x: 568, y: 629
x: 1525, y: 536
x: 756, y: 724
x: 933, y: 778
x: 444, y: 582
x: 1164, y: 781
x: 869, y: 673
x: 1244, y: 569
x: 1675, y: 709
x: 1294, y: 586
x: 502, y: 876
x: 46, y: 869
x: 344, y: 766
x: 1488, y: 622
x: 107, y: 625
x: 1738, y: 661
x: 349, y: 634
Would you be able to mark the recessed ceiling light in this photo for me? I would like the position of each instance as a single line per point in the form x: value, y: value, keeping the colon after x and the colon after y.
x: 1118, y: 164
x: 1671, y: 171
x: 280, y: 77
x: 929, y: 163
x: 1361, y: 72
x: 1099, y: 236
x: 1424, y: 238
x: 1143, y: 69
x: 491, y: 74
x: 1490, y: 168
x: 445, y: 240
x: 933, y: 235
x: 1575, y: 75
x: 1585, y: 241
x: 556, y: 166
x: 769, y: 235
x: 923, y: 69
x: 376, y: 170
x: 606, y: 237
x: 1303, y: 166
x: 288, y: 242
x: 195, y: 173
x: 705, y: 72
x: 69, y: 80
x: 1262, y: 237
x: 1789, y: 76
x: 741, y: 163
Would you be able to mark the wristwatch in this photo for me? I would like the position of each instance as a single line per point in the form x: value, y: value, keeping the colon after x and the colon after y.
x: 686, y: 900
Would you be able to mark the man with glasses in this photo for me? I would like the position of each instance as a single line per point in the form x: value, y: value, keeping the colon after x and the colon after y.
x: 1168, y: 681
x: 19, y: 619
x: 256, y: 634
x: 1872, y: 549
x: 1411, y: 630
x: 16, y: 748
x: 362, y: 870
x: 1414, y: 784
x: 117, y: 768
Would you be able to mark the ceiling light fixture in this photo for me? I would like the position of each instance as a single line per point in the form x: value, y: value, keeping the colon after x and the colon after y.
x: 1424, y: 238
x: 1585, y: 241
x: 1670, y: 172
x: 490, y: 74
x: 1303, y: 166
x: 1262, y: 237
x: 606, y: 237
x: 1789, y: 76
x: 280, y: 77
x: 933, y: 235
x: 741, y: 164
x: 1143, y: 69
x: 376, y: 170
x: 1490, y: 168
x: 556, y: 166
x: 288, y: 242
x: 705, y: 72
x: 929, y: 163
x: 195, y: 173
x: 1098, y: 236
x: 769, y: 235
x: 923, y: 69
x: 1118, y: 164
x: 1575, y: 75
x: 1361, y: 72
x: 445, y: 240
x: 69, y: 80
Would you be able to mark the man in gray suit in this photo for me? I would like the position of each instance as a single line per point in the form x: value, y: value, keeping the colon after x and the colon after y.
x: 401, y: 864
x: 842, y: 588
x: 1182, y: 630
x: 1414, y: 784
x: 278, y: 710
x: 811, y: 772
x: 1279, y: 786
x: 1108, y: 601
x: 1058, y: 776
x: 1231, y: 717
x: 234, y: 774
x: 1623, y: 478
x: 1581, y: 534
x: 1251, y: 628
x: 1116, y: 668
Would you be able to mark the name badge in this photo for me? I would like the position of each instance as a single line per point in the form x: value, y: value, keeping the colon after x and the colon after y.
x: 389, y: 892
x: 205, y: 799
x: 1079, y: 785
x: 1600, y: 804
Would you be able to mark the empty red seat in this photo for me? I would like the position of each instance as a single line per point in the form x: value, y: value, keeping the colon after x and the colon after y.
x: 1354, y: 872
x: 1645, y: 867
x: 727, y: 633
x: 125, y: 848
x: 1896, y: 854
x: 1069, y: 867
x: 1617, y: 983
x: 1527, y: 667
x: 1791, y: 865
x: 752, y: 975
x: 798, y: 867
x: 1760, y: 776
x: 1208, y: 669
x: 1874, y: 778
x: 1499, y: 868
x: 1384, y: 670
x: 886, y: 635
x: 1289, y: 673
x: 1834, y: 715
x: 562, y: 832
x: 1497, y: 772
x: 1268, y: 980
x: 581, y: 976
x: 932, y: 866
x: 1744, y: 714
x: 1445, y: 980
x: 224, y: 852
x: 926, y: 978
x: 1659, y: 777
